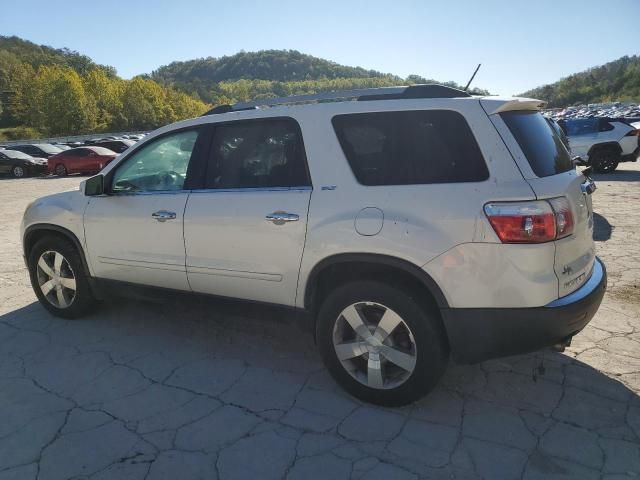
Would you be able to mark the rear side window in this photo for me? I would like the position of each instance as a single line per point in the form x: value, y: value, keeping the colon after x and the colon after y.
x: 257, y: 154
x: 408, y: 148
x: 540, y: 143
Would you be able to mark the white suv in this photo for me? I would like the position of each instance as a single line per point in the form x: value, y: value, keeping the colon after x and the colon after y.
x: 406, y: 224
x: 602, y: 142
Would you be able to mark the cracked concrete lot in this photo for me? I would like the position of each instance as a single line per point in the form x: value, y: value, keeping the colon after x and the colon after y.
x: 208, y: 390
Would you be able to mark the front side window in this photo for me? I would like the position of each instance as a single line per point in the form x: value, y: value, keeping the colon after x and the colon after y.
x: 161, y: 165
x: 410, y: 148
x: 257, y: 154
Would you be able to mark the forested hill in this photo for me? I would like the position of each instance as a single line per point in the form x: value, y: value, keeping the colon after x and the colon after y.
x: 48, y: 91
x: 614, y: 81
x: 279, y: 65
x: 14, y: 50
x: 265, y: 73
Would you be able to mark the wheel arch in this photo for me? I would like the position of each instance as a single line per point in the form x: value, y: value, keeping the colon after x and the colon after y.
x: 370, y: 261
x: 605, y: 145
x: 35, y: 232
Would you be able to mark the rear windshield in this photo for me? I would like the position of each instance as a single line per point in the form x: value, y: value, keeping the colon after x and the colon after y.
x: 45, y: 147
x: 540, y: 143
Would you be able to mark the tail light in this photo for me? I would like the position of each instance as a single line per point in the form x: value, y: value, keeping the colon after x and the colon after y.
x: 564, y: 216
x: 633, y: 133
x: 536, y: 221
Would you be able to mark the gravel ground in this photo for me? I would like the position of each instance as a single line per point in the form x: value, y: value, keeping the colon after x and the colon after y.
x: 211, y: 390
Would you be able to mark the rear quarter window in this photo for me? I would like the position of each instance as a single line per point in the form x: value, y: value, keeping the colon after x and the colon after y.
x: 410, y: 147
x: 539, y: 142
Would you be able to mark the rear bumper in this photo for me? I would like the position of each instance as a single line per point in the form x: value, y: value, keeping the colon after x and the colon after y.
x: 631, y: 157
x: 477, y: 334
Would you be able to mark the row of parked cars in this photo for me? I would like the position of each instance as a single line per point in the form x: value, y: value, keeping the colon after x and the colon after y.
x: 630, y: 111
x: 62, y: 158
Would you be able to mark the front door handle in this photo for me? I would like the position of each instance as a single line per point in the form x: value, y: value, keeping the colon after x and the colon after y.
x: 280, y: 218
x: 163, y: 215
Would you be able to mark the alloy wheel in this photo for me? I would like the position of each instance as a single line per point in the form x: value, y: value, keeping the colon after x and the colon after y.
x: 61, y: 170
x: 18, y: 171
x: 56, y: 279
x: 374, y: 345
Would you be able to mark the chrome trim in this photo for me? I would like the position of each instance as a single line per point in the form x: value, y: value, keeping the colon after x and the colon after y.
x: 249, y: 190
x: 280, y: 218
x: 163, y: 215
x: 154, y: 192
x: 597, y: 274
x: 588, y: 186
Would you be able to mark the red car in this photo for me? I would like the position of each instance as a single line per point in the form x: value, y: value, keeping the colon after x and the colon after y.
x: 80, y: 160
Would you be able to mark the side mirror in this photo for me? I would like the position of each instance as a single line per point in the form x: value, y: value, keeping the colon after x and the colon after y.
x: 94, y: 186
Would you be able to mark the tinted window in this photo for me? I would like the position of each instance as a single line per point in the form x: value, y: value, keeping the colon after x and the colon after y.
x: 604, y: 126
x: 160, y: 165
x: 584, y: 126
x: 417, y: 147
x: 254, y: 154
x: 46, y: 148
x: 540, y: 143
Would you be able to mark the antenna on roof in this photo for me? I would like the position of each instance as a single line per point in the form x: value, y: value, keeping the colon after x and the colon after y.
x: 472, y: 77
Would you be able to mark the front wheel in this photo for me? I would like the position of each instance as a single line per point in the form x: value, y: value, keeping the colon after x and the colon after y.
x: 59, y: 279
x: 605, y: 161
x: 380, y: 343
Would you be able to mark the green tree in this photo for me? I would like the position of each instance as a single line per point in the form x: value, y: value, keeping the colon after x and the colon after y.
x: 59, y: 103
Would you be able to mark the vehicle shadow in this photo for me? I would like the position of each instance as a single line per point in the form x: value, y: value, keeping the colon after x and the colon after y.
x: 495, y: 413
x: 619, y: 175
x: 602, y: 229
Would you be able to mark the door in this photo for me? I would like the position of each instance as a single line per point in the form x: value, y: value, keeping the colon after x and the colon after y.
x: 245, y: 229
x: 582, y: 134
x: 135, y: 232
x: 5, y: 164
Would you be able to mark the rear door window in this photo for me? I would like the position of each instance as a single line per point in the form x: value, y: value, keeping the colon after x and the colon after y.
x: 540, y: 143
x: 410, y: 147
x: 257, y: 154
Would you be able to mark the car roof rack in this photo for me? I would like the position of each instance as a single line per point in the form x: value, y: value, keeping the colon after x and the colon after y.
x: 362, y: 94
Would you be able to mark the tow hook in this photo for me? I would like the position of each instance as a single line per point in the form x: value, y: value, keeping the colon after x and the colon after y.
x: 561, y: 345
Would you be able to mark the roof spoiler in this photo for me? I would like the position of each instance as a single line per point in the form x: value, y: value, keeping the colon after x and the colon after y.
x: 493, y: 105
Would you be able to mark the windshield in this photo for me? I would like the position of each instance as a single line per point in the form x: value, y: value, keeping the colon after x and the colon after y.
x: 539, y: 142
x: 16, y: 154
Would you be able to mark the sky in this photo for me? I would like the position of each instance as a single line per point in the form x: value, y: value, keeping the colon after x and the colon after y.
x: 521, y: 44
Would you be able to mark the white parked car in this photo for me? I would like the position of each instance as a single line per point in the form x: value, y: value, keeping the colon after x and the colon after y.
x: 411, y: 225
x: 603, y: 143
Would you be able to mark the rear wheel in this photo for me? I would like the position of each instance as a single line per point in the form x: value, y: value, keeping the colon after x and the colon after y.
x: 18, y: 171
x: 605, y: 160
x: 59, y: 279
x: 380, y: 344
x: 61, y: 170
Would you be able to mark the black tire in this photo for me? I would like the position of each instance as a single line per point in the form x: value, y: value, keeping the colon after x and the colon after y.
x: 83, y: 300
x: 18, y: 171
x: 432, y: 350
x: 605, y: 160
x: 61, y: 170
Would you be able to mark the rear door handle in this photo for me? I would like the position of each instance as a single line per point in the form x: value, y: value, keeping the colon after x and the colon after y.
x: 163, y: 215
x: 280, y: 218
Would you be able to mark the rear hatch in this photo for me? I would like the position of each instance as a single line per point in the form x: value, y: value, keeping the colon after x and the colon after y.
x: 546, y: 165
